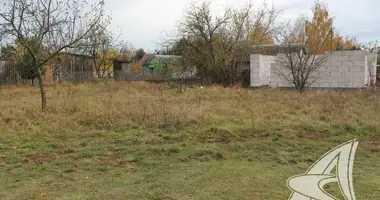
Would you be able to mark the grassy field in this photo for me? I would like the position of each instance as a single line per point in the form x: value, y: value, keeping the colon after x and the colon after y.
x: 143, y: 141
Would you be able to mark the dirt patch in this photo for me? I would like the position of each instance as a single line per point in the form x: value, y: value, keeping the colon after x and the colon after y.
x: 373, y: 144
x: 312, y: 136
x: 116, y: 160
x: 39, y: 158
x: 312, y: 133
x: 65, y: 152
x: 3, y: 161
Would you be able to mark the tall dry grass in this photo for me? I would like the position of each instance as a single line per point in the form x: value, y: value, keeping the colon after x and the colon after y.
x: 118, y: 107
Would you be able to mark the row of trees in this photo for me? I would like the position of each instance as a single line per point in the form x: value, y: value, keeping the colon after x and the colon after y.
x: 218, y: 44
x: 321, y: 27
x: 43, y: 29
x: 317, y: 37
x: 37, y: 31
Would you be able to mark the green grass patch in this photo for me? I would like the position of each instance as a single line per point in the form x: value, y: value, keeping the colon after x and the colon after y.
x: 143, y: 141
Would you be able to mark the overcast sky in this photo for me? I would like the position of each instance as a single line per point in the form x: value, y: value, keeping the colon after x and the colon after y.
x: 143, y: 22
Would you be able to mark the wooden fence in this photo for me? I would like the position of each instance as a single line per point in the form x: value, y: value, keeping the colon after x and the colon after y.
x: 74, y: 69
x: 9, y: 74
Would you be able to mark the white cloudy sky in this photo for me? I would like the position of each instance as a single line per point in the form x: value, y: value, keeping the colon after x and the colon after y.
x: 143, y: 22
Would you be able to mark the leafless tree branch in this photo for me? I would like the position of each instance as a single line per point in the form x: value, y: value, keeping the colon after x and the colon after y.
x: 56, y: 24
x: 298, y: 68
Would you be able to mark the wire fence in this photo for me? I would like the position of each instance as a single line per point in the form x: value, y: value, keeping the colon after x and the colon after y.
x: 9, y: 75
x: 80, y: 73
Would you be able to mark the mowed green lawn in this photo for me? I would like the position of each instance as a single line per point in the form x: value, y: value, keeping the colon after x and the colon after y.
x: 143, y: 141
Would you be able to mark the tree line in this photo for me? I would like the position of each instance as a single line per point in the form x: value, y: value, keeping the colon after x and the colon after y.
x: 217, y: 43
x: 37, y: 31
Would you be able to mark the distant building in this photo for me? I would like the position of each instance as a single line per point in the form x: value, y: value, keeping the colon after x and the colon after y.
x: 342, y: 69
x: 158, y: 62
x: 145, y: 59
x: 171, y: 66
x: 268, y: 50
x: 154, y: 67
x: 70, y: 67
x: 65, y: 66
x: 121, y: 68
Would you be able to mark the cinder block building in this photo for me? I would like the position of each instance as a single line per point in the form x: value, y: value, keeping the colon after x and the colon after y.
x: 341, y: 69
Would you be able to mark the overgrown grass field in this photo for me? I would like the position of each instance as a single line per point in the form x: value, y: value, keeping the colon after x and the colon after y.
x: 145, y: 141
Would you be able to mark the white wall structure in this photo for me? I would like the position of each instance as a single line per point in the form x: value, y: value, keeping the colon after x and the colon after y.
x: 261, y: 69
x: 372, y: 64
x: 342, y: 69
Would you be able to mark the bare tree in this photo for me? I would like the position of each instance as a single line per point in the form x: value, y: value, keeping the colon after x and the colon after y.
x: 124, y: 50
x: 296, y: 65
x: 184, y: 72
x: 56, y: 24
x: 371, y: 47
x: 97, y: 41
x: 101, y: 46
x: 215, y: 44
x: 2, y: 34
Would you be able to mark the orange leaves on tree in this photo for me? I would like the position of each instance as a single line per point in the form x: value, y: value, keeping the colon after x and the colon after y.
x: 319, y: 29
x: 320, y: 35
x: 258, y: 36
x: 350, y: 43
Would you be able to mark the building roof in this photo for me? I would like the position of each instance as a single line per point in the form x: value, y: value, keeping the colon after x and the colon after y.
x: 145, y: 58
x: 276, y: 49
x: 121, y: 60
x: 167, y: 57
x: 73, y: 53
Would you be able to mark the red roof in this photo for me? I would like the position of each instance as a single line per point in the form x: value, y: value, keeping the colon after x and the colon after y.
x: 145, y: 58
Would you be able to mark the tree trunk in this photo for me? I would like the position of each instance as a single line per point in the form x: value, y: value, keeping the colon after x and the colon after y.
x: 43, y: 93
x: 97, y: 69
x: 300, y: 88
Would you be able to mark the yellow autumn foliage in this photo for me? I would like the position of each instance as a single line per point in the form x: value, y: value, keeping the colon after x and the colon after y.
x: 320, y: 34
x: 105, y: 59
x: 259, y: 37
x: 136, y: 67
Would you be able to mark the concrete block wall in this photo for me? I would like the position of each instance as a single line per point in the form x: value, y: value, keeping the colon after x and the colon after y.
x: 265, y: 68
x: 260, y: 70
x: 367, y: 73
x: 279, y: 72
x: 342, y: 69
x: 372, y: 65
x: 255, y: 70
